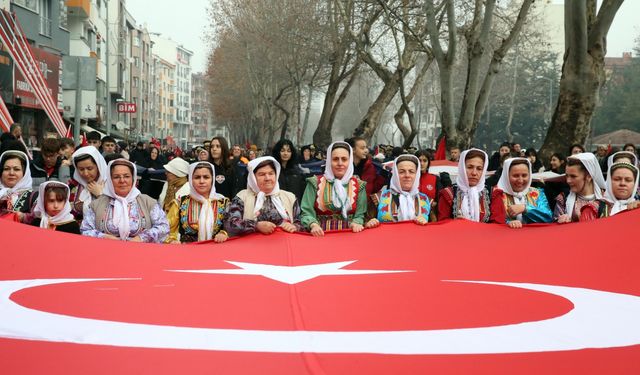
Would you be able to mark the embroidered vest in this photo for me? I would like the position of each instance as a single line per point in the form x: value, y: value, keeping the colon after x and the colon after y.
x: 324, y: 199
x: 388, y: 209
x: 485, y: 203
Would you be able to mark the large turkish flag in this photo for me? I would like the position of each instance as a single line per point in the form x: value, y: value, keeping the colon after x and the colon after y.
x: 447, y: 298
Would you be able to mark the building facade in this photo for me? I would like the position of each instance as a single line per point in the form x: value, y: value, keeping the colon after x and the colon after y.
x: 45, y: 26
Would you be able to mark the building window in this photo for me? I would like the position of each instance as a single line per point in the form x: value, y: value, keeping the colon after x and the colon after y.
x: 29, y: 4
x: 45, y: 17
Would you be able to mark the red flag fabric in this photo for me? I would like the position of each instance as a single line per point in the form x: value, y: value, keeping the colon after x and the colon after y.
x: 448, y: 298
x: 441, y: 150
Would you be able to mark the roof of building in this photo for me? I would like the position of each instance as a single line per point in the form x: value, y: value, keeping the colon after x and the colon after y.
x: 617, y: 138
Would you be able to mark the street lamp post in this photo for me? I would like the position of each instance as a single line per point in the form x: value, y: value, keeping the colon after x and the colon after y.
x: 108, y: 116
x: 550, y: 94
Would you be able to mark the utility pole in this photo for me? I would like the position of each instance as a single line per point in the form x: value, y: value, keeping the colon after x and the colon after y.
x: 78, y: 109
x: 108, y: 117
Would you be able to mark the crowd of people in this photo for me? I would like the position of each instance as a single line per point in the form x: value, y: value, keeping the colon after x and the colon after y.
x: 214, y: 192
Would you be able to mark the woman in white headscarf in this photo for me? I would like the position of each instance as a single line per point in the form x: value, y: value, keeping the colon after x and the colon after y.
x: 468, y: 198
x: 122, y: 212
x: 198, y: 216
x: 89, y: 178
x: 514, y: 201
x: 402, y: 201
x: 177, y: 184
x: 53, y: 210
x: 622, y: 157
x: 336, y: 200
x: 263, y: 207
x: 622, y: 186
x: 16, y: 197
x: 585, y: 200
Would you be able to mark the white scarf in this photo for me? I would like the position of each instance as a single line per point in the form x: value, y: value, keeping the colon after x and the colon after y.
x: 103, y: 175
x: 592, y: 166
x: 121, y: 217
x: 407, y: 209
x: 252, y: 184
x: 62, y: 217
x: 339, y: 196
x: 207, y: 217
x: 631, y: 156
x: 619, y: 205
x: 505, y: 185
x: 25, y: 182
x: 470, y: 207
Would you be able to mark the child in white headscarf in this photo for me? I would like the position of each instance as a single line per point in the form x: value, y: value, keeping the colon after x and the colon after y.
x: 514, y: 201
x: 468, y: 198
x: 263, y: 207
x: 53, y: 210
x: 585, y: 200
x: 402, y: 201
x: 336, y: 200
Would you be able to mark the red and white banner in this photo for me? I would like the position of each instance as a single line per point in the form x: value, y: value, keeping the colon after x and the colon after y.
x: 16, y: 44
x: 449, y: 298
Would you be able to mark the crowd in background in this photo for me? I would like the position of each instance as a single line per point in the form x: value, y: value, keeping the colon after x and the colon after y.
x: 152, y: 193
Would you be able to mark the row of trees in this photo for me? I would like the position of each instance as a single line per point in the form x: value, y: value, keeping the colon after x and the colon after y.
x: 273, y: 59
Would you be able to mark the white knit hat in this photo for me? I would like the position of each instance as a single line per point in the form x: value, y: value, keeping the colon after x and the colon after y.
x: 178, y: 167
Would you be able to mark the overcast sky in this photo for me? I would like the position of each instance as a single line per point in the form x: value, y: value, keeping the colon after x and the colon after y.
x: 185, y: 22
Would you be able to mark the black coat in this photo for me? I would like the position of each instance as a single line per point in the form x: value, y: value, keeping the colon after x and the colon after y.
x: 293, y: 180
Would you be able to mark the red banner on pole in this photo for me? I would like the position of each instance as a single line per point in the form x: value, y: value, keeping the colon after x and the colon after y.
x: 447, y: 298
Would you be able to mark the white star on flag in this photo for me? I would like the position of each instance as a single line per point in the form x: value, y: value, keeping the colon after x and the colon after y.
x: 291, y: 274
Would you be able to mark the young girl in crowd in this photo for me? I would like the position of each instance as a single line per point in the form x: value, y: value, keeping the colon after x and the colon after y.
x: 53, y: 210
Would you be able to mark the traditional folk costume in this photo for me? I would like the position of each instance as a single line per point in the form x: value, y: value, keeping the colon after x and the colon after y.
x: 584, y: 208
x: 537, y: 207
x: 80, y: 196
x: 136, y: 215
x: 615, y: 205
x: 64, y: 221
x: 395, y: 204
x: 334, y: 203
x: 251, y: 205
x: 20, y: 197
x: 195, y: 218
x: 462, y: 201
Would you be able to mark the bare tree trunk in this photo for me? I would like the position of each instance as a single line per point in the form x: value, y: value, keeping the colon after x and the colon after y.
x: 307, y: 113
x: 512, y: 99
x: 582, y: 73
x: 369, y: 123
